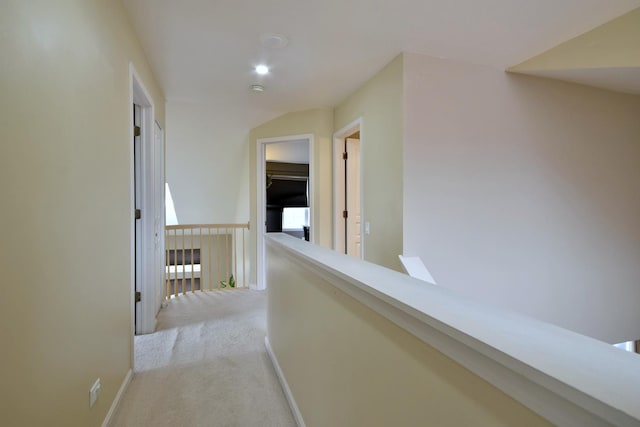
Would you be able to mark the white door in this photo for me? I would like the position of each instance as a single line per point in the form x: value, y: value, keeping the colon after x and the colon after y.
x: 353, y: 197
x: 147, y: 186
x: 138, y: 198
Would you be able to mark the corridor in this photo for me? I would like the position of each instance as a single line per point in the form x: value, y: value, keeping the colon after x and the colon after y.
x: 206, y: 366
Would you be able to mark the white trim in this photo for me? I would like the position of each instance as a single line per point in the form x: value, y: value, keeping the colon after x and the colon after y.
x: 159, y: 220
x: 261, y: 202
x: 338, y: 138
x: 116, y: 401
x: 132, y: 205
x: 146, y: 319
x: 567, y: 378
x: 295, y: 411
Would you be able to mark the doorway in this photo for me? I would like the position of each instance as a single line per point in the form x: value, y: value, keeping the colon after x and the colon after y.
x: 347, y: 190
x: 292, y: 179
x: 138, y: 194
x: 147, y: 207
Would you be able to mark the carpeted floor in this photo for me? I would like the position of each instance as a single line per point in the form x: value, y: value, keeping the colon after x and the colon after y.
x: 206, y: 366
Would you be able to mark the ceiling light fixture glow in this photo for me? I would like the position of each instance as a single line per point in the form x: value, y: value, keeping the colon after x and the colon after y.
x: 262, y: 70
x: 257, y: 88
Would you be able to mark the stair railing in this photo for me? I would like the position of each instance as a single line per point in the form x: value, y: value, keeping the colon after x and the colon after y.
x: 205, y: 257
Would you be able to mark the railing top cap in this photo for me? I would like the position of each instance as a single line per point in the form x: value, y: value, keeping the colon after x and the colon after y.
x: 579, y: 366
x: 206, y: 226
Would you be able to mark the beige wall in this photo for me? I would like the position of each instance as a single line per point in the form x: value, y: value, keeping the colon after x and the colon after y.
x: 346, y: 365
x: 289, y: 152
x: 65, y: 310
x: 614, y: 44
x: 379, y: 103
x: 319, y: 123
x: 525, y: 193
x: 206, y: 169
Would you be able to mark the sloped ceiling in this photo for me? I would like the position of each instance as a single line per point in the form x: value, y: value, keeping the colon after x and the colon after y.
x: 203, y: 51
x: 607, y: 57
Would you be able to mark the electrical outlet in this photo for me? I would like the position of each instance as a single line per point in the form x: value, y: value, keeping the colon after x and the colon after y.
x: 367, y: 228
x: 94, y: 393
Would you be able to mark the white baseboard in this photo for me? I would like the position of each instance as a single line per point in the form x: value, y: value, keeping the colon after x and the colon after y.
x: 285, y: 387
x: 117, y: 399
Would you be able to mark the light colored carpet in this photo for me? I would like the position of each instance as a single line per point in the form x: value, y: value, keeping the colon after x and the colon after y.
x: 206, y: 366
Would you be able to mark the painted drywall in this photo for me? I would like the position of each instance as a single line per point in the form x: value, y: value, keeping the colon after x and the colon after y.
x: 206, y: 168
x: 319, y: 123
x: 524, y: 192
x: 65, y: 310
x: 614, y: 44
x: 366, y: 371
x: 290, y: 152
x: 607, y: 57
x: 379, y: 103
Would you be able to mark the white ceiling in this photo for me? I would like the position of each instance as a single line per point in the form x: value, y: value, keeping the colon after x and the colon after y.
x: 203, y: 51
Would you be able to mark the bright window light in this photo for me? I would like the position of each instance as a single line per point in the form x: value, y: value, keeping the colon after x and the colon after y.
x: 169, y: 209
x: 262, y: 70
x: 295, y: 218
x: 628, y: 346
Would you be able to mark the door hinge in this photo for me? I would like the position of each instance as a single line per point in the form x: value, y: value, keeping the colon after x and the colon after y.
x: 136, y: 131
x: 345, y: 155
x: 137, y: 296
x: 345, y: 214
x: 137, y: 214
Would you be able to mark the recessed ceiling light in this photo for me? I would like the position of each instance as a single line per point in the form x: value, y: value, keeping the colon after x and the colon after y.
x: 257, y: 88
x: 274, y: 41
x: 262, y: 70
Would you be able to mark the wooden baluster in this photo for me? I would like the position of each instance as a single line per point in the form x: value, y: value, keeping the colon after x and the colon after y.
x: 167, y: 270
x: 175, y: 263
x: 192, y: 279
x: 210, y: 246
x: 235, y: 255
x: 244, y: 271
x: 227, y: 264
x: 200, y: 279
x: 182, y: 282
x: 216, y: 245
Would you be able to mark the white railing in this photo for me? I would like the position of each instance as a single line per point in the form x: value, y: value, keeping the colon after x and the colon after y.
x: 205, y: 257
x: 383, y: 348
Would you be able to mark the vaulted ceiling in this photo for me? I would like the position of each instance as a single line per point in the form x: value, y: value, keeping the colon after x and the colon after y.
x: 204, y: 51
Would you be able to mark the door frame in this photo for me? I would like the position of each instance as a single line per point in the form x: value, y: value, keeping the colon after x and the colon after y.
x: 160, y: 214
x: 338, y: 181
x: 145, y: 321
x: 261, y: 194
